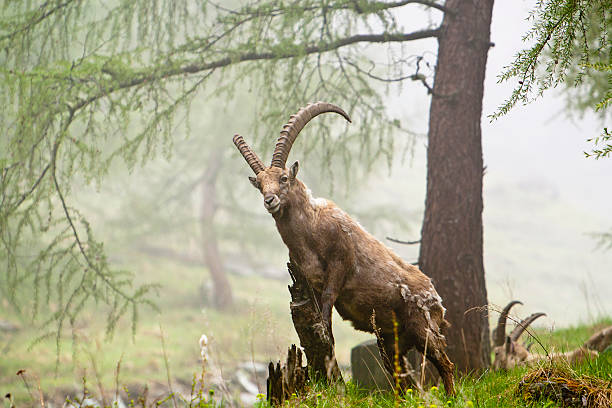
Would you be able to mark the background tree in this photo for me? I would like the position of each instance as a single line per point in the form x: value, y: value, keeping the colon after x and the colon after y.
x: 570, y: 46
x: 451, y: 240
x: 81, y: 75
x: 185, y: 212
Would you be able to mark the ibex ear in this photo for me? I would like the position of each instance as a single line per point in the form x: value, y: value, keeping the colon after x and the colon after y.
x: 253, y: 181
x: 294, y: 170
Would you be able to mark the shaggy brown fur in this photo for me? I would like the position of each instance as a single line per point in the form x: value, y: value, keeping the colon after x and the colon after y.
x: 347, y: 267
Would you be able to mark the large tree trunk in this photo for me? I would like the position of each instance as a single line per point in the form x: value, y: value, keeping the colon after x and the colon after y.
x: 451, y: 247
x: 222, y: 296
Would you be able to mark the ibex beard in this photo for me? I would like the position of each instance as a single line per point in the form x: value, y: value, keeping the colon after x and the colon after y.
x: 346, y: 266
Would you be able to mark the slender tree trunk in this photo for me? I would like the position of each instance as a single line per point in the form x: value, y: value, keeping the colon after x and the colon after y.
x: 222, y: 296
x: 451, y: 247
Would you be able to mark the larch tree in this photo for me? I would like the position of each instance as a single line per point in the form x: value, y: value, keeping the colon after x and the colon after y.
x: 86, y: 83
x: 452, y: 237
x: 568, y: 45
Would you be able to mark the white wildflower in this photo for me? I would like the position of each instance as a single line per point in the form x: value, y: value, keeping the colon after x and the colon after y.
x: 204, y: 347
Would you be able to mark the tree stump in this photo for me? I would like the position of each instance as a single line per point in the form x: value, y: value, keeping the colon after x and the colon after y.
x: 288, y: 380
x: 317, y: 343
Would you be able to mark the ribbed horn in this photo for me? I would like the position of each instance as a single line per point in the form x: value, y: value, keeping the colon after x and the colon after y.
x: 249, y: 155
x: 295, y: 125
x: 523, y: 325
x: 499, y: 334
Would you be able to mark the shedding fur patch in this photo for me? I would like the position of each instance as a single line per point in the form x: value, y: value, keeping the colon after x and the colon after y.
x: 424, y: 301
x: 315, y: 202
x: 405, y: 292
x: 346, y: 222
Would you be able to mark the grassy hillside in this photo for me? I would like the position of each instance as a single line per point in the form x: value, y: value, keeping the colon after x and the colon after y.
x: 258, y: 329
x: 165, y: 345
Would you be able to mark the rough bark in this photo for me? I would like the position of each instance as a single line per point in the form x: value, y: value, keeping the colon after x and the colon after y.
x: 288, y: 380
x: 452, y: 244
x: 223, y: 298
x: 317, y: 343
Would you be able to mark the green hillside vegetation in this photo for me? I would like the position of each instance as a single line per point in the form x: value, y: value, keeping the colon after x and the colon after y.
x: 258, y: 330
x: 493, y: 389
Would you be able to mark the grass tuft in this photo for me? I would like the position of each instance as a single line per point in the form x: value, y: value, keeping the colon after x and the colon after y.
x: 566, y: 387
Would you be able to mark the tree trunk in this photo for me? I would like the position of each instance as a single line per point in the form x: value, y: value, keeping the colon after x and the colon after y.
x: 451, y: 247
x: 222, y: 296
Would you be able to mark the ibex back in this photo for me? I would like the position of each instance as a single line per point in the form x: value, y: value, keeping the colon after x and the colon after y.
x: 346, y: 266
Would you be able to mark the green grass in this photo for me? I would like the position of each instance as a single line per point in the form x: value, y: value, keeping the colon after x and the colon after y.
x: 259, y: 329
x: 489, y: 390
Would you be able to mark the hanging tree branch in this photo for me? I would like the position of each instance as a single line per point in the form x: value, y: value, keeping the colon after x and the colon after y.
x: 568, y: 34
x: 60, y: 111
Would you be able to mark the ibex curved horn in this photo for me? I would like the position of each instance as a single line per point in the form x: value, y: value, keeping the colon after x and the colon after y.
x: 249, y: 155
x: 520, y: 328
x: 499, y: 334
x: 295, y: 125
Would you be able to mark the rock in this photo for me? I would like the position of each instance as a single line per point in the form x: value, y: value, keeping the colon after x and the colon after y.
x: 245, y: 382
x: 87, y: 402
x: 118, y: 403
x: 254, y: 367
x: 368, y: 369
x: 7, y: 326
x: 247, y: 399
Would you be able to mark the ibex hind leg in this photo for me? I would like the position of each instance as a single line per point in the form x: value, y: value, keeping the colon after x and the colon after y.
x: 420, y: 331
x: 386, y: 346
x: 437, y: 356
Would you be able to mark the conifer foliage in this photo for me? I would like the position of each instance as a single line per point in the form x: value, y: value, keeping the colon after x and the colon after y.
x: 568, y: 42
x: 86, y: 83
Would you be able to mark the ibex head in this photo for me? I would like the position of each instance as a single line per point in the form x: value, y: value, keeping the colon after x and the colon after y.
x: 508, y: 351
x: 275, y: 182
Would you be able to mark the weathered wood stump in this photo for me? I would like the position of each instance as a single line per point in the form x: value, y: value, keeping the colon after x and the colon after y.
x: 317, y: 342
x: 289, y: 379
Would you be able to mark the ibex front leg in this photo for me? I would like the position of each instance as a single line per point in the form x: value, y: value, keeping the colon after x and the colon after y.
x: 336, y: 273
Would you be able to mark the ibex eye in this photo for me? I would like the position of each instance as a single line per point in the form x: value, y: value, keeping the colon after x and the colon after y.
x: 284, y: 179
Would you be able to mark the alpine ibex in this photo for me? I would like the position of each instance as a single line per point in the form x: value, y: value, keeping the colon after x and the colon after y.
x: 347, y: 267
x: 509, y: 352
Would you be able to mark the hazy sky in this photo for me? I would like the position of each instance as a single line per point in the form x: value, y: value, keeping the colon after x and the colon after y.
x: 538, y: 151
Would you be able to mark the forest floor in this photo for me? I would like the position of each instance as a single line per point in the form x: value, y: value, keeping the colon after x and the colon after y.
x: 163, y: 355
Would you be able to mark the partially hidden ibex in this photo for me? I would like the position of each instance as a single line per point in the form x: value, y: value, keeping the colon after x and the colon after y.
x: 509, y: 353
x: 347, y: 267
